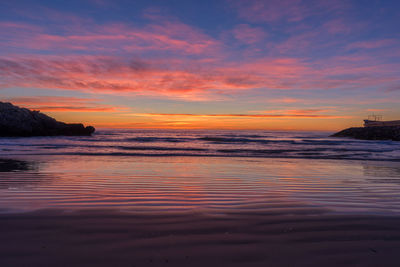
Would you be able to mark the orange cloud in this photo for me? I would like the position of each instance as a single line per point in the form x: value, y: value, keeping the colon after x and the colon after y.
x: 285, y: 100
x: 225, y: 121
x: 290, y: 114
x: 305, y: 111
x: 311, y: 112
x: 376, y: 109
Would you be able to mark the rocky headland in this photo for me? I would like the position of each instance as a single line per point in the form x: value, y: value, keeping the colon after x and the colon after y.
x: 371, y: 133
x: 19, y: 122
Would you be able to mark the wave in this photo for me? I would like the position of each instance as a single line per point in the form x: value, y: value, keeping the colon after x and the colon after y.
x: 270, y: 154
x: 157, y: 139
x: 327, y: 142
x: 155, y: 148
x: 226, y: 140
x: 203, y: 144
x: 229, y: 150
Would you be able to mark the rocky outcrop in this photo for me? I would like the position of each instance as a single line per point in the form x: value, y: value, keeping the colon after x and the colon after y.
x: 16, y: 121
x: 371, y: 133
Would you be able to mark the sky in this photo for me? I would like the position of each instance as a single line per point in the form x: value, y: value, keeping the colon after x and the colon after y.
x: 220, y: 64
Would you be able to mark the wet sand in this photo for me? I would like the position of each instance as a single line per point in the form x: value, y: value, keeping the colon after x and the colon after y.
x: 280, y: 238
x: 116, y: 211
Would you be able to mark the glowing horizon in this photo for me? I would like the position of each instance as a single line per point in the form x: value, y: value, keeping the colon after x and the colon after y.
x: 228, y: 64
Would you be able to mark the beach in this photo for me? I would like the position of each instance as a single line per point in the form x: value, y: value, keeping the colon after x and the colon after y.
x: 91, y: 201
x: 214, y: 133
x: 104, y: 238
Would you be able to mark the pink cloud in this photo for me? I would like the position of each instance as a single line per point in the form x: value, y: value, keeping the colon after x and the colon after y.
x: 299, y: 42
x: 269, y: 11
x: 337, y: 26
x: 192, y: 80
x: 247, y: 34
x: 372, y: 44
x: 284, y: 10
x: 108, y: 74
x: 392, y: 88
x: 308, y: 40
x: 59, y: 103
x: 9, y: 25
x: 160, y: 36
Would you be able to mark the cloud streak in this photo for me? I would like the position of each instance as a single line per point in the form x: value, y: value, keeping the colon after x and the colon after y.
x: 292, y: 11
x: 163, y: 35
x: 247, y: 34
x: 289, y: 115
x: 63, y: 104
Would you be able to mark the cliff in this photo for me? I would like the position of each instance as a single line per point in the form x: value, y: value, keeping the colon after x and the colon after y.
x: 371, y: 133
x: 16, y: 121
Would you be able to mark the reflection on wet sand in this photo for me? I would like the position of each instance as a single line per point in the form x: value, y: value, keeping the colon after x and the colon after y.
x: 21, y: 176
x: 13, y: 165
x: 214, y: 185
x: 382, y: 172
x: 188, y: 211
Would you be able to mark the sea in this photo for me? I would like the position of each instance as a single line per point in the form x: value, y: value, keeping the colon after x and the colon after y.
x: 260, y: 144
x: 208, y: 171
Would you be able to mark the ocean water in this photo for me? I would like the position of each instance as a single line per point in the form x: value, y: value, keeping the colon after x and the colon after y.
x: 213, y: 172
x: 264, y: 144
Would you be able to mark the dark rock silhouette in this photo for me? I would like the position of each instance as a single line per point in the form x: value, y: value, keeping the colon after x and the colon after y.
x: 16, y: 121
x: 371, y: 133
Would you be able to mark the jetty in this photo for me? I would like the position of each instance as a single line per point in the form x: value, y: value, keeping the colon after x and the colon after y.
x: 374, y: 129
x: 376, y: 120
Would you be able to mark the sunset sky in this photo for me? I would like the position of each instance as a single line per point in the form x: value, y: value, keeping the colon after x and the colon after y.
x: 227, y: 64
